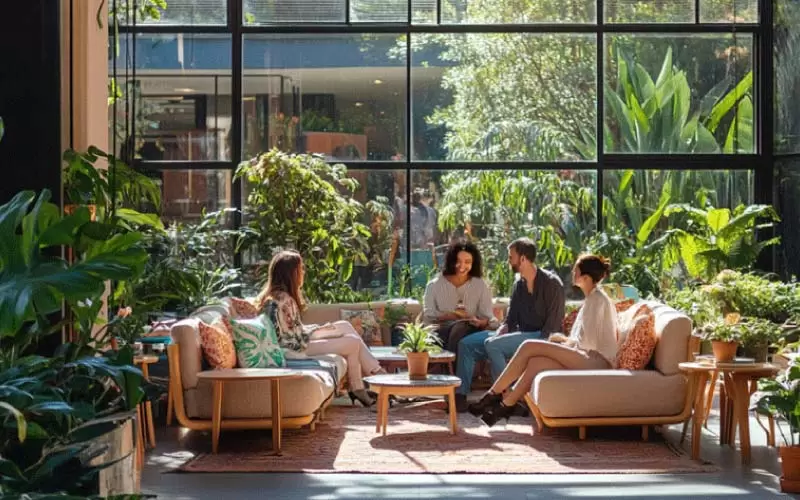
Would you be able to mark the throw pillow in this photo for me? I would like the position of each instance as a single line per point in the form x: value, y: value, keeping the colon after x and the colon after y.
x: 366, y: 322
x: 639, y: 340
x: 623, y: 305
x: 217, y: 345
x: 242, y: 309
x: 569, y: 320
x: 257, y: 343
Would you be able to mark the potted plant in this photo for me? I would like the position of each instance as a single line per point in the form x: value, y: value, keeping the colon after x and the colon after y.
x: 724, y: 337
x: 65, y: 416
x: 781, y: 398
x: 419, y: 341
x: 756, y: 335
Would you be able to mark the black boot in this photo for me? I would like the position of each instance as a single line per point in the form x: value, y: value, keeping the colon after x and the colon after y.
x: 497, y: 412
x: 485, y: 402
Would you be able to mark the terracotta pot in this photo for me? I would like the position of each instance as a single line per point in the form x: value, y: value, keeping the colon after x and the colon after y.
x: 790, y: 467
x: 70, y: 209
x: 724, y: 352
x: 418, y: 365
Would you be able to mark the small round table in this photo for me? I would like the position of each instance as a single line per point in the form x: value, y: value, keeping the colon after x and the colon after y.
x: 736, y: 377
x: 391, y: 359
x: 220, y: 377
x: 400, y: 385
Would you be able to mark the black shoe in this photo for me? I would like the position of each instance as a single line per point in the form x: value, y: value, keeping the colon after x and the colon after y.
x: 362, y: 397
x: 485, y: 402
x: 496, y: 412
x: 521, y: 410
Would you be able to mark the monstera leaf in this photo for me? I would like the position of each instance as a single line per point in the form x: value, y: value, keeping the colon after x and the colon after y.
x: 35, y: 279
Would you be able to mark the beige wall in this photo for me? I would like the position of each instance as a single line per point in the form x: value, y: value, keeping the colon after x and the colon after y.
x: 89, y: 86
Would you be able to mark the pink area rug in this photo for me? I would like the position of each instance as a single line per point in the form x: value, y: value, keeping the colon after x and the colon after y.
x: 418, y: 441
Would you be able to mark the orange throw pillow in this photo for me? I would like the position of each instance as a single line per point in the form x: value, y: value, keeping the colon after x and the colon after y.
x: 640, y: 341
x: 243, y: 309
x: 217, y: 344
x: 624, y: 305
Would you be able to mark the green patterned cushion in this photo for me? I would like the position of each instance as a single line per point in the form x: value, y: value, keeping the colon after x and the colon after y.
x: 257, y: 343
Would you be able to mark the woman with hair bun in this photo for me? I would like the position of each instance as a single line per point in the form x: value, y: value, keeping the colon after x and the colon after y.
x: 591, y: 345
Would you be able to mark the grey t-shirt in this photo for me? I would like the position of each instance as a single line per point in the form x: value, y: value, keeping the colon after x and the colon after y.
x: 542, y: 310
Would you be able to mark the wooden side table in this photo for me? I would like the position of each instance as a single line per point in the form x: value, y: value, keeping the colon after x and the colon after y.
x: 144, y: 411
x: 737, y: 378
x: 400, y: 385
x: 220, y: 377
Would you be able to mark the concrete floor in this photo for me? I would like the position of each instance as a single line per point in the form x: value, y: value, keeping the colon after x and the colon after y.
x: 734, y: 481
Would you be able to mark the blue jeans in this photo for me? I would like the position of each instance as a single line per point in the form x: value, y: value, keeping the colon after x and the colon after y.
x: 500, y: 348
x: 470, y: 350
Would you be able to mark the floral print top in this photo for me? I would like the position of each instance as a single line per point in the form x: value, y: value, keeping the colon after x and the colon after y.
x: 284, y: 313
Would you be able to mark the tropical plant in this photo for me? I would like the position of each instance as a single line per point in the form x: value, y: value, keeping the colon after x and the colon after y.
x: 302, y: 202
x: 116, y: 191
x: 720, y: 238
x: 53, y: 410
x: 781, y: 397
x: 191, y: 265
x: 33, y: 282
x: 650, y: 115
x: 695, y: 302
x: 418, y: 337
x: 755, y: 296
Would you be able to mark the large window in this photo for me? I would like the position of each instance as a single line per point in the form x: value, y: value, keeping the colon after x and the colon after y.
x: 570, y: 121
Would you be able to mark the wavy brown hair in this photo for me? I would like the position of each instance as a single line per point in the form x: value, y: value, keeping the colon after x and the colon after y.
x: 284, y: 273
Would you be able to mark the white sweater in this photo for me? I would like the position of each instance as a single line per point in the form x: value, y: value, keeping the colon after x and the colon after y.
x: 595, y: 328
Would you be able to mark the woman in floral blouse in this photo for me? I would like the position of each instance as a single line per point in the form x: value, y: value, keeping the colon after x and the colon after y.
x: 282, y: 300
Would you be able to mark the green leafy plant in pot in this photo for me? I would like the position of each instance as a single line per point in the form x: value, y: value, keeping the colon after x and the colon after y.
x: 781, y: 398
x: 419, y: 342
x: 724, y: 337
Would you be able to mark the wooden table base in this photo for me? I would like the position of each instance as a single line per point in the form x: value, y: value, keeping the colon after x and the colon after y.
x: 383, y: 402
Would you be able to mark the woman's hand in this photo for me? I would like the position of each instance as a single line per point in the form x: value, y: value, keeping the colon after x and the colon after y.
x: 558, y: 338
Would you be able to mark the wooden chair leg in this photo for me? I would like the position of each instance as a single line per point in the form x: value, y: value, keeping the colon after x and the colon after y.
x: 645, y: 432
x: 535, y: 413
x: 170, y: 409
x: 582, y: 433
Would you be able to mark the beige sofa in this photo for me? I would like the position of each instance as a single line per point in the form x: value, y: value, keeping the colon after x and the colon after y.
x: 246, y: 405
x: 572, y: 398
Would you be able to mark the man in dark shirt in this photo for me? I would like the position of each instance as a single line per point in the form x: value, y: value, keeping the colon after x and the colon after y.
x: 535, y: 311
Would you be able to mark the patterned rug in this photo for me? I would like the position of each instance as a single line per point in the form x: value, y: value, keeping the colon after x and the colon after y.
x: 418, y: 441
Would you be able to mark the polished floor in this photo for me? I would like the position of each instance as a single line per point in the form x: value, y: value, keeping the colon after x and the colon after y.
x: 759, y: 480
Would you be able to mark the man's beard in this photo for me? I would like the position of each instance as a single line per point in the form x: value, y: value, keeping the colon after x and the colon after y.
x: 515, y: 268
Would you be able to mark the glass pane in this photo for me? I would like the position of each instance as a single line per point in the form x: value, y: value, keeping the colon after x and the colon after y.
x: 293, y: 11
x: 787, y: 76
x: 556, y: 208
x: 341, y: 266
x: 649, y: 11
x: 181, y: 97
x: 342, y: 96
x: 728, y: 11
x: 176, y: 12
x: 506, y: 12
x: 392, y: 11
x: 187, y: 194
x: 631, y: 197
x: 679, y: 94
x: 788, y: 205
x: 504, y: 97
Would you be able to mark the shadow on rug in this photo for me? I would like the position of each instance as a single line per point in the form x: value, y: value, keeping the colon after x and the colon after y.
x: 418, y: 441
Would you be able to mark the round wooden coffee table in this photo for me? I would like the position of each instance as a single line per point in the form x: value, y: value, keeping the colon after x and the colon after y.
x: 399, y: 384
x: 392, y: 359
x: 221, y: 377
